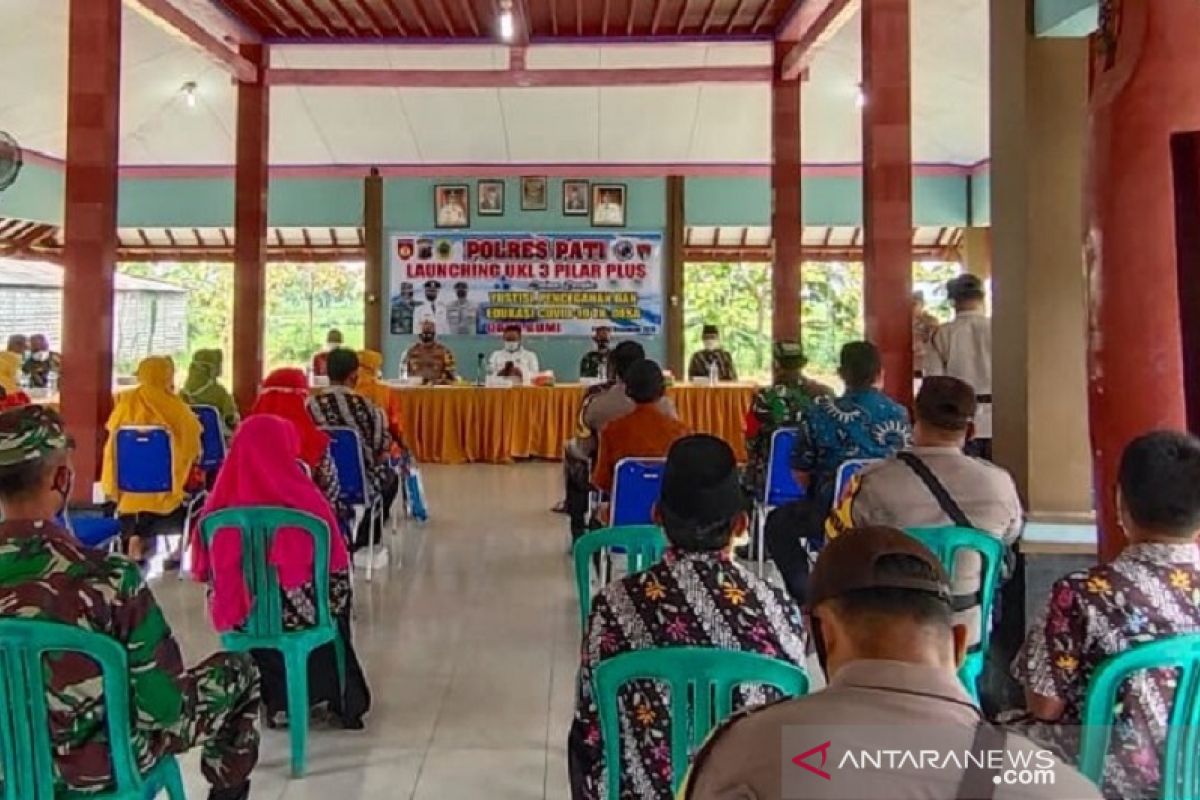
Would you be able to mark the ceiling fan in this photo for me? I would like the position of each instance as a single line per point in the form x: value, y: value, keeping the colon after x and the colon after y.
x: 11, y: 160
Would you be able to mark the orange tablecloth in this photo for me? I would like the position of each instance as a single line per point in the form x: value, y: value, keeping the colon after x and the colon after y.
x: 462, y: 424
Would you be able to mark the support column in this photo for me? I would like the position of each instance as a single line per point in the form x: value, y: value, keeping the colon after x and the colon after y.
x: 1145, y: 99
x: 787, y: 220
x: 674, y: 263
x: 90, y: 225
x: 976, y: 251
x: 373, y: 233
x: 250, y: 228
x: 1039, y: 96
x: 887, y: 189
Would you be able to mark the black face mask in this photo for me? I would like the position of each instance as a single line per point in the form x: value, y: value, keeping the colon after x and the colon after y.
x: 601, y: 345
x: 426, y: 337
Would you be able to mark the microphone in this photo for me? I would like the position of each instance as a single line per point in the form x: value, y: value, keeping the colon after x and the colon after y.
x: 479, y: 368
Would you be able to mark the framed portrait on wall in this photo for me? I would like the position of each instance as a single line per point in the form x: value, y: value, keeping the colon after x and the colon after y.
x: 575, y: 198
x: 608, y: 205
x: 533, y: 194
x: 452, y: 205
x: 491, y: 199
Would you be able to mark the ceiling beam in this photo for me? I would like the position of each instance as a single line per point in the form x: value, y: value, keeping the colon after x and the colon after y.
x: 517, y: 78
x: 810, y: 26
x: 172, y: 18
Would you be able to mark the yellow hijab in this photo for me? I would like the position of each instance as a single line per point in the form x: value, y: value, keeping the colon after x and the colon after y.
x: 153, y: 402
x: 370, y: 362
x: 10, y: 371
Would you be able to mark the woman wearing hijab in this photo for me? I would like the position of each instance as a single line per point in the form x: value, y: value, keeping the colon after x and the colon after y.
x: 11, y: 395
x: 152, y: 402
x: 262, y: 469
x: 203, y: 389
x: 370, y: 364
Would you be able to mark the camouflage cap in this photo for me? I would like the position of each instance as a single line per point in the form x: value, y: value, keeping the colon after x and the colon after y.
x: 789, y: 355
x: 29, y: 433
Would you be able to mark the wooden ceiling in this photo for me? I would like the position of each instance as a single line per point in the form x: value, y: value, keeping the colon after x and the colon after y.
x: 477, y: 19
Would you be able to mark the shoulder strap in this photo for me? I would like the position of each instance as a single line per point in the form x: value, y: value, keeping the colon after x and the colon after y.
x: 979, y: 782
x: 936, y: 488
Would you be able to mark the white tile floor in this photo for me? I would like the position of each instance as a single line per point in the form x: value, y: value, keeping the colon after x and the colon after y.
x: 470, y: 649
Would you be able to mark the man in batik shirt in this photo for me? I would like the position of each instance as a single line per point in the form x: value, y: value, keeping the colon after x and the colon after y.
x: 775, y: 407
x: 46, y: 574
x: 698, y: 596
x: 1151, y: 591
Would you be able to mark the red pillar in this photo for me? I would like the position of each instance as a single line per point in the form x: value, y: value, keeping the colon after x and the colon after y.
x: 250, y: 228
x: 786, y: 219
x: 90, y: 225
x: 887, y: 189
x: 1144, y: 90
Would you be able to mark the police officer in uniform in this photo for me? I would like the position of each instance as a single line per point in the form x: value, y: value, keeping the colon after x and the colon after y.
x: 432, y: 310
x: 462, y: 315
x: 404, y: 307
x: 963, y: 349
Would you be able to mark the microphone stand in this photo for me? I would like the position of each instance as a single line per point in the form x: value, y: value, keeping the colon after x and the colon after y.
x: 479, y: 370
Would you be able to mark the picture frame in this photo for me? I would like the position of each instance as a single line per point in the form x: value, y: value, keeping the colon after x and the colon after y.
x: 576, y: 199
x: 609, y: 205
x: 452, y: 205
x: 534, y: 193
x: 490, y: 199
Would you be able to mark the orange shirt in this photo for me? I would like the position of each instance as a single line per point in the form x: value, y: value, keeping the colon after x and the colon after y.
x: 643, y: 433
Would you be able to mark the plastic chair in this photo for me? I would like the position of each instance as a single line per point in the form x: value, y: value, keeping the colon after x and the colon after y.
x: 644, y: 545
x: 346, y: 449
x: 846, y: 471
x: 263, y: 629
x: 701, y: 681
x: 144, y: 466
x: 636, y: 487
x: 212, y: 438
x: 1180, y: 766
x: 946, y: 543
x: 779, y: 488
x: 26, y: 752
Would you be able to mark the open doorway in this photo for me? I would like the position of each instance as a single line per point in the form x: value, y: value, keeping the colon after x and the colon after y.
x: 1185, y: 160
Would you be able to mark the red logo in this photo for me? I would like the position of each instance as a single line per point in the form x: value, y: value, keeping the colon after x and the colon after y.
x: 404, y: 248
x: 802, y: 760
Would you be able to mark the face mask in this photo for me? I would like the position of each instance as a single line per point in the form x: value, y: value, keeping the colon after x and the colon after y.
x: 512, y: 347
x: 331, y: 346
x: 41, y: 355
x: 426, y: 337
x: 462, y: 295
x: 711, y: 344
x: 601, y: 345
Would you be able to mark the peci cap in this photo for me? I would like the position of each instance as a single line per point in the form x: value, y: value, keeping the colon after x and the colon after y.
x: 789, y: 355
x: 850, y: 562
x: 700, y: 481
x: 947, y: 403
x: 710, y: 330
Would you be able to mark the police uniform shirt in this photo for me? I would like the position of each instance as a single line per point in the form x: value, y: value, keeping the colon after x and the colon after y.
x: 963, y: 349
x: 461, y: 316
x: 524, y: 360
x: 432, y: 312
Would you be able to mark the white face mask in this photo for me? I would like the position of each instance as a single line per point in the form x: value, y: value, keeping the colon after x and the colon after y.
x: 512, y: 347
x: 41, y: 355
x: 712, y: 344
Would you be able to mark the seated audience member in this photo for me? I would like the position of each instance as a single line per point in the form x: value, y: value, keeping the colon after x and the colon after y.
x: 703, y: 360
x: 285, y: 394
x: 645, y: 432
x: 429, y: 359
x: 11, y: 394
x: 862, y: 423
x: 262, y: 470
x: 202, y: 387
x: 882, y: 623
x: 46, y: 574
x: 42, y: 362
x: 18, y: 343
x: 594, y: 360
x: 152, y: 402
x: 1149, y: 592
x: 775, y: 407
x: 370, y: 367
x: 320, y: 361
x: 514, y: 361
x: 339, y: 407
x: 697, y: 596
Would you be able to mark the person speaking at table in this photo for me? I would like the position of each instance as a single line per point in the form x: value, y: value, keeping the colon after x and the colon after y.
x: 713, y: 355
x: 428, y: 359
x: 513, y: 361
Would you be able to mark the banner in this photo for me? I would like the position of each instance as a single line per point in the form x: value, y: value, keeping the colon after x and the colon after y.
x: 552, y: 284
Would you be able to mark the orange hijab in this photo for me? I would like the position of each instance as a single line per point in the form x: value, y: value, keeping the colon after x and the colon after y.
x: 370, y: 364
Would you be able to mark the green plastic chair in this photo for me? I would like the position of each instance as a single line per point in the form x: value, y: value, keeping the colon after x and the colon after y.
x: 26, y: 752
x: 1180, y: 763
x: 946, y: 544
x: 644, y: 544
x: 263, y: 629
x: 701, y: 681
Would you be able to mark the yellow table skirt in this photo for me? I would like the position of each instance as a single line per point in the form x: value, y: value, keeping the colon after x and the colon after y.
x: 465, y: 424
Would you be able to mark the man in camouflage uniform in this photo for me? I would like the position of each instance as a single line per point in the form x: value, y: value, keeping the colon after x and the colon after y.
x: 429, y: 359
x: 46, y: 574
x: 404, y: 307
x: 775, y: 407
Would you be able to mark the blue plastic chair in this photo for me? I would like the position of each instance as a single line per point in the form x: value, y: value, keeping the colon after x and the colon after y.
x: 263, y: 629
x: 1180, y: 761
x: 643, y: 544
x: 946, y: 544
x: 26, y: 752
x: 347, y: 453
x: 636, y: 487
x: 779, y: 488
x: 144, y: 460
x: 212, y: 438
x: 701, y: 681
x: 846, y: 471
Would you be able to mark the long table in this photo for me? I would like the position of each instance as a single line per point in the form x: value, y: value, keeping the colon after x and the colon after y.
x: 465, y: 424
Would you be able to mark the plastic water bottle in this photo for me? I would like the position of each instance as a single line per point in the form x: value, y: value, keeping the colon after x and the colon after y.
x: 404, y: 370
x: 714, y: 373
x: 602, y: 373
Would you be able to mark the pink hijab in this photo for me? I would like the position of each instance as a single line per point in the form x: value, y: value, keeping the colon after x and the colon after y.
x: 262, y: 469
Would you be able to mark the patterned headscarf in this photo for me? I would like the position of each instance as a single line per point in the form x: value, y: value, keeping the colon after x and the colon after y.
x: 30, y: 433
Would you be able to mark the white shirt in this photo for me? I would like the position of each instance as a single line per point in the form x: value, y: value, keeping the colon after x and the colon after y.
x: 524, y: 360
x: 963, y: 349
x: 435, y: 312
